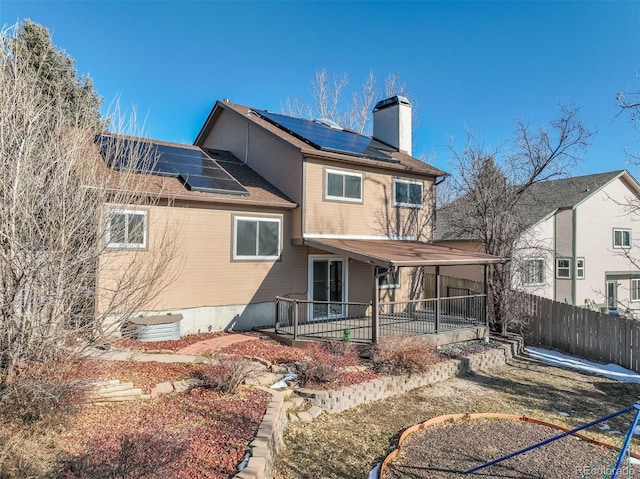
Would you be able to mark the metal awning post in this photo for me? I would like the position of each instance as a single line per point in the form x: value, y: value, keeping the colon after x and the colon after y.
x: 437, y: 326
x: 486, y: 295
x: 375, y: 326
x: 296, y: 312
x: 375, y: 319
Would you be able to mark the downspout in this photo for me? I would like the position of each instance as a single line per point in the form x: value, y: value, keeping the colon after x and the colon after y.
x: 437, y: 324
x: 434, y: 207
x: 303, y: 197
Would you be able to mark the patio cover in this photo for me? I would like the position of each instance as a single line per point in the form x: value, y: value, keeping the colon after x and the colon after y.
x: 395, y: 253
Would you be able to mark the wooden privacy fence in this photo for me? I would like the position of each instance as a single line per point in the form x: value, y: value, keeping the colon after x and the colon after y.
x: 582, y: 332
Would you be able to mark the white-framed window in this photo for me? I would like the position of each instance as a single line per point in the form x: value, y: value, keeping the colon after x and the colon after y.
x: 126, y: 228
x: 635, y: 289
x: 533, y: 272
x: 621, y: 238
x: 563, y: 268
x: 389, y: 281
x: 256, y: 238
x: 343, y: 185
x: 580, y: 271
x: 407, y: 193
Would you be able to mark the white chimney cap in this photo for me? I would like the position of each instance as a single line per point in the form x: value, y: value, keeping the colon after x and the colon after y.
x: 394, y: 100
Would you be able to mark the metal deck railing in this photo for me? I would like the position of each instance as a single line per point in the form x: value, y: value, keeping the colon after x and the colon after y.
x: 332, y: 320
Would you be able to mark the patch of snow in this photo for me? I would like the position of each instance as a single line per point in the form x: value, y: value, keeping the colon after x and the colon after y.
x: 244, y: 462
x: 283, y: 382
x: 604, y: 427
x: 634, y: 461
x: 375, y: 472
x: 564, y: 414
x: 611, y: 371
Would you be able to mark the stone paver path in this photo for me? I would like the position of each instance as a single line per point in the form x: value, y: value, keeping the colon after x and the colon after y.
x: 215, y: 344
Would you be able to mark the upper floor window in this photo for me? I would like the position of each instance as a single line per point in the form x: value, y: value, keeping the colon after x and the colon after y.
x: 635, y: 289
x: 533, y: 272
x: 390, y: 281
x: 343, y: 185
x: 621, y: 238
x: 256, y: 238
x: 407, y: 193
x: 579, y: 268
x: 127, y: 229
x: 563, y: 268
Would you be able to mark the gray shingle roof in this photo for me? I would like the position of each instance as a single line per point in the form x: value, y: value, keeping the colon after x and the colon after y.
x: 405, y: 162
x: 538, y: 201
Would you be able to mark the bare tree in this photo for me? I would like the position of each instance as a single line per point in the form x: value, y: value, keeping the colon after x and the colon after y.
x: 491, y: 186
x: 56, y: 196
x: 328, y: 100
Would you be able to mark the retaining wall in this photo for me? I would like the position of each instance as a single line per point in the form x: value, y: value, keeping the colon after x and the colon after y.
x: 387, y: 386
x: 265, y: 446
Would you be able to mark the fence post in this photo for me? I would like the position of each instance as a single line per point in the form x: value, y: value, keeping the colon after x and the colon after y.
x: 296, y: 312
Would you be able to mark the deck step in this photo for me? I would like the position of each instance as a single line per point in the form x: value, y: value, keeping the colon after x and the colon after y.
x: 131, y: 392
x: 113, y: 390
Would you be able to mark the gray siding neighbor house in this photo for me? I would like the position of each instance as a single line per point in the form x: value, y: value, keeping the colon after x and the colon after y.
x: 582, y: 243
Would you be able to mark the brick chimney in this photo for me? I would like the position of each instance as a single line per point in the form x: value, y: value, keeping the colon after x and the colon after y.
x: 392, y: 122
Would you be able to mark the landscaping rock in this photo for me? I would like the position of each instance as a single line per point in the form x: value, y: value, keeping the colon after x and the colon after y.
x: 315, y: 411
x: 164, y: 388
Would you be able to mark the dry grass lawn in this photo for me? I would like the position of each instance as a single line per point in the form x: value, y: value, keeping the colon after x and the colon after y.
x: 349, y: 444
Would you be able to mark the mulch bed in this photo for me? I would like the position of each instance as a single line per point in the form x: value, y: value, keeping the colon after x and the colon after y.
x: 448, y: 449
x: 173, y: 345
x: 197, y: 434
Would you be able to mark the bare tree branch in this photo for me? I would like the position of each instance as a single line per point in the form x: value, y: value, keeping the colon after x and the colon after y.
x: 56, y: 193
x: 491, y: 186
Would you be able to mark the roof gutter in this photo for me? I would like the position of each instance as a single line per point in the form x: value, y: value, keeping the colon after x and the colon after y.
x: 366, y: 161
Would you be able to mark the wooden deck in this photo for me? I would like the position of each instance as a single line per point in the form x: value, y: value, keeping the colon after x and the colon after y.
x: 451, y: 329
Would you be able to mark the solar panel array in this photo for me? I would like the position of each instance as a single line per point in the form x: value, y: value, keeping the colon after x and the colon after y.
x: 193, y: 167
x: 324, y: 137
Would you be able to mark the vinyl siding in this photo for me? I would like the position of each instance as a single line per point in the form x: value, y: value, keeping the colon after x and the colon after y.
x: 374, y: 216
x: 360, y: 281
x: 538, y: 242
x: 564, y: 249
x: 596, y: 219
x: 276, y: 161
x: 473, y: 272
x: 205, y: 272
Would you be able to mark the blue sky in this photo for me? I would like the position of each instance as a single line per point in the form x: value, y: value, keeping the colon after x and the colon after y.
x: 476, y: 65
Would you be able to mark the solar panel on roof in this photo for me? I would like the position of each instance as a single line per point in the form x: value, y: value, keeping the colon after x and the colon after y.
x: 213, y: 185
x: 192, y: 166
x: 326, y: 138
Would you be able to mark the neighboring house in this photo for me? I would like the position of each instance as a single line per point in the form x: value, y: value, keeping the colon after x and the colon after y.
x: 270, y: 206
x: 581, y: 242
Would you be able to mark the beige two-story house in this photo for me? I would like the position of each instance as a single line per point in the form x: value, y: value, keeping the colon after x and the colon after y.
x: 271, y: 206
